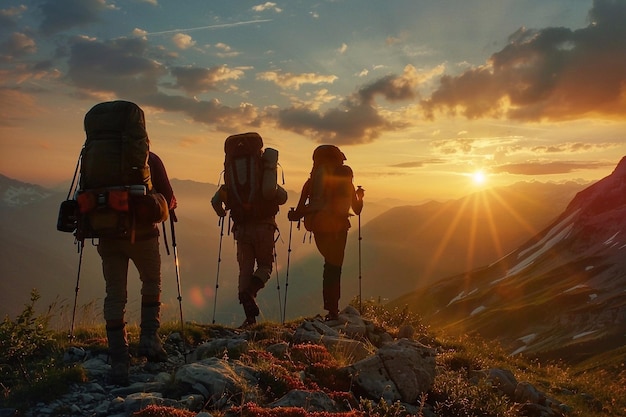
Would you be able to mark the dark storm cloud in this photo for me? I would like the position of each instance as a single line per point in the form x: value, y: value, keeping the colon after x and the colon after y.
x: 549, y: 168
x: 357, y: 120
x: 551, y: 74
x: 60, y: 15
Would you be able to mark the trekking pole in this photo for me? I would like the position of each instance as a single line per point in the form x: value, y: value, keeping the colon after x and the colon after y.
x: 81, y: 244
x: 280, y: 306
x: 287, y: 271
x: 219, y: 260
x: 359, y: 188
x: 167, y: 247
x: 180, y: 298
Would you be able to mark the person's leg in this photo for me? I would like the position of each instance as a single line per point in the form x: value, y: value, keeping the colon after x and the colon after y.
x: 264, y: 251
x: 115, y: 271
x: 147, y: 258
x: 332, y: 247
x: 244, y: 237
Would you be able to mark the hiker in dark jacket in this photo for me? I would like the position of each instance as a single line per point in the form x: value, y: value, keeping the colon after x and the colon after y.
x: 143, y: 250
x: 325, y: 203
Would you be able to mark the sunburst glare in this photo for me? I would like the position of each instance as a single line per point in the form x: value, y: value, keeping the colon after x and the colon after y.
x: 479, y: 177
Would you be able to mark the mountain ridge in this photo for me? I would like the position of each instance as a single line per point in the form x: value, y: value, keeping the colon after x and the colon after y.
x: 558, y: 295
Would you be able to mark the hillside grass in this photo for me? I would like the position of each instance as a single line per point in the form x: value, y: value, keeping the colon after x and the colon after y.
x: 32, y: 369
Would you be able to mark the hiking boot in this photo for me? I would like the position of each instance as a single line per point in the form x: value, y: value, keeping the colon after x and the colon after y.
x: 149, y: 342
x: 249, y: 321
x: 332, y: 315
x: 150, y: 346
x: 119, y: 372
x: 118, y: 353
x: 250, y: 307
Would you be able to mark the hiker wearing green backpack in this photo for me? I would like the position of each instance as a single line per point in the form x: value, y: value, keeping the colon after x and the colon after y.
x: 252, y: 196
x: 124, y: 194
x: 325, y: 203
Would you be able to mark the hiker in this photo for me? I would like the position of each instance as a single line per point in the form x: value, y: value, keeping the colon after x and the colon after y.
x: 138, y: 198
x: 325, y: 203
x: 144, y: 252
x: 251, y: 193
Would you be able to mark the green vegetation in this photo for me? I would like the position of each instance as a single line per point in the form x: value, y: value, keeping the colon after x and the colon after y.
x: 31, y: 369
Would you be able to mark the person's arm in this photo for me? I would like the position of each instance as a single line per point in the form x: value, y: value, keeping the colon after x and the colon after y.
x: 357, y: 200
x: 160, y: 180
x: 299, y: 212
x: 219, y: 200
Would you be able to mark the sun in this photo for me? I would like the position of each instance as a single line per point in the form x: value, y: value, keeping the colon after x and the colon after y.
x: 479, y: 177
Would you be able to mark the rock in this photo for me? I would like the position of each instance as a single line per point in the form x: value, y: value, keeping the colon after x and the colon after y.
x: 399, y: 371
x: 503, y: 380
x: 309, y: 400
x: 230, y: 348
x: 217, y: 376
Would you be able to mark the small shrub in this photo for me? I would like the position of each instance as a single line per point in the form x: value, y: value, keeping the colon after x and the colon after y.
x: 26, y: 346
x: 161, y: 411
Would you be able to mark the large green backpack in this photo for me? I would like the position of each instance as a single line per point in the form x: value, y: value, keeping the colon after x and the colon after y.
x: 114, y: 167
x: 116, y: 148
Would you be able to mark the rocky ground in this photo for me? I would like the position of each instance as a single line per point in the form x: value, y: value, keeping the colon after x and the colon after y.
x: 219, y: 374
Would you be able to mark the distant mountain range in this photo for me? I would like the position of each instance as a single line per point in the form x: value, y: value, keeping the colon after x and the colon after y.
x: 561, y: 294
x: 402, y: 248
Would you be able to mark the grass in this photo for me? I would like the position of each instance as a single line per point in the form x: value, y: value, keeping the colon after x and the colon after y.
x: 31, y: 369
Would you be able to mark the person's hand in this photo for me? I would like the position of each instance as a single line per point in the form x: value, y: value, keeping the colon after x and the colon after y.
x: 220, y: 212
x: 293, y: 215
x: 360, y: 192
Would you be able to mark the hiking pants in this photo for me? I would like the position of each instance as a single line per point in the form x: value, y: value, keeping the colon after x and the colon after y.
x: 255, y: 246
x: 115, y: 254
x: 332, y: 247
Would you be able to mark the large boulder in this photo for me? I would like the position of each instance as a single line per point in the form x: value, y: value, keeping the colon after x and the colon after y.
x: 399, y: 371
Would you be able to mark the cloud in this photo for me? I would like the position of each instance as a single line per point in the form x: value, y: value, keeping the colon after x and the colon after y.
x: 549, y: 168
x: 267, y: 6
x: 418, y: 164
x: 572, y: 147
x: 60, y: 15
x: 549, y: 74
x: 9, y: 17
x: 357, y: 120
x: 195, y: 80
x: 453, y: 146
x: 119, y: 66
x: 294, y: 81
x: 183, y: 41
x: 18, y: 44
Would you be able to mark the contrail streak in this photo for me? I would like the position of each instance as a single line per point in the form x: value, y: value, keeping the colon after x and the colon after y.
x: 225, y: 25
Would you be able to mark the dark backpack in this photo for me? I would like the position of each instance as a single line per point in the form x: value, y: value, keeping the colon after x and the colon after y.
x: 114, y: 183
x: 250, y: 176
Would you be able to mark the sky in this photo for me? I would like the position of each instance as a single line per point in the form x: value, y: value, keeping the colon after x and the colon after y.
x: 428, y: 99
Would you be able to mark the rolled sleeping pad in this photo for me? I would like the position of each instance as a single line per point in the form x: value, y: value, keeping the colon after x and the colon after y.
x: 270, y: 173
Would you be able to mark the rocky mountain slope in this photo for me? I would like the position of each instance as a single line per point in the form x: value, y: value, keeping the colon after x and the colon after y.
x: 559, y: 295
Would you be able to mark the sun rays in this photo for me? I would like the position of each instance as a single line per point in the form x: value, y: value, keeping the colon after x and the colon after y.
x: 480, y: 221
